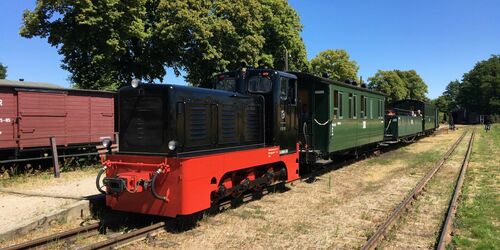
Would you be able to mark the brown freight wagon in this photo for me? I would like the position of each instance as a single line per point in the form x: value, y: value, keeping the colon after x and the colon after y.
x: 31, y: 113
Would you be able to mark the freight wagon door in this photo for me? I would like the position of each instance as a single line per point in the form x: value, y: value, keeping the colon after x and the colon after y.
x: 101, y: 118
x: 41, y: 116
x: 8, y: 115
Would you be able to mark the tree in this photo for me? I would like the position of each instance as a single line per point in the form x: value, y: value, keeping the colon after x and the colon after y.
x: 450, y: 95
x: 108, y: 42
x: 103, y: 42
x: 479, y: 88
x: 441, y: 103
x: 222, y: 34
x: 3, y: 71
x: 390, y: 83
x: 415, y: 85
x: 336, y: 64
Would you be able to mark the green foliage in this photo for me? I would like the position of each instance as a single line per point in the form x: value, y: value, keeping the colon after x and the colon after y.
x: 390, y: 83
x: 3, y: 71
x: 479, y: 88
x: 336, y: 64
x: 450, y: 95
x: 441, y: 103
x: 104, y: 42
x: 415, y: 85
x: 109, y: 42
x: 399, y: 85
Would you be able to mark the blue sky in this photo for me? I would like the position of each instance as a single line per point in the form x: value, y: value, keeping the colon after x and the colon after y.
x: 441, y: 40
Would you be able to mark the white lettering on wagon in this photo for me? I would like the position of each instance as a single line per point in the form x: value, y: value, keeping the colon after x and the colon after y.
x: 1, y: 103
x: 5, y: 120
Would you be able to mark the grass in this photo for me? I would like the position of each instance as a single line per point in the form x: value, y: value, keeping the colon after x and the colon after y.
x: 477, y: 225
x: 44, y: 177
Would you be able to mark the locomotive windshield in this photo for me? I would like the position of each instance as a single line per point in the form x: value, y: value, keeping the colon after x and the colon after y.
x: 259, y: 84
x: 141, y: 123
x: 226, y: 83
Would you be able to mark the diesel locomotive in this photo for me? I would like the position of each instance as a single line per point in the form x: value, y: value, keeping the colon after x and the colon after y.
x: 183, y: 149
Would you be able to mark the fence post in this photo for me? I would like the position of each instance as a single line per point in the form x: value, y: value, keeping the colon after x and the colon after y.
x: 55, y: 156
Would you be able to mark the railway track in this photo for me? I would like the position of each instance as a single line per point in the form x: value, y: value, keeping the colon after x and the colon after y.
x: 88, y: 231
x: 119, y: 240
x: 382, y: 231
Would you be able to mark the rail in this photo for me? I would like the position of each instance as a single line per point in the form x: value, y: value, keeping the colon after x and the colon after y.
x: 382, y: 229
x: 90, y: 229
x: 446, y: 229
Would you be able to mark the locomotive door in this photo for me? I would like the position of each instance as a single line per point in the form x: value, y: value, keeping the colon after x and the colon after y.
x: 287, y: 115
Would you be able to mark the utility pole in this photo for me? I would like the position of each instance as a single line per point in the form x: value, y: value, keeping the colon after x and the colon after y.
x: 285, y: 67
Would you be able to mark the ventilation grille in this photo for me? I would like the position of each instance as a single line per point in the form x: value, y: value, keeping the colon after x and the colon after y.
x: 198, y: 123
x: 252, y: 123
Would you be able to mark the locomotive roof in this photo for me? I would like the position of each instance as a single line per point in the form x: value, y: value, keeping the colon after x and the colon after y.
x: 42, y: 86
x: 330, y: 81
x: 192, y: 89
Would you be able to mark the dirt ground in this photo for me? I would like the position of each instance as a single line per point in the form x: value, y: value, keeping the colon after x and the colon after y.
x: 17, y: 210
x: 340, y: 210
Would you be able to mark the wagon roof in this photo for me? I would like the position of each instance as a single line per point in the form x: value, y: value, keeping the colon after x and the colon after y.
x: 42, y: 86
x: 330, y: 81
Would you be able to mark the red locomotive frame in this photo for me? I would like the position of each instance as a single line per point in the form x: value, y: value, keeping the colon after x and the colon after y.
x: 172, y: 186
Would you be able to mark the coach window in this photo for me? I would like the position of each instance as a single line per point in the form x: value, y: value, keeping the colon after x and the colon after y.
x: 380, y: 111
x: 354, y: 107
x: 371, y: 108
x: 350, y: 105
x: 363, y: 110
x: 335, y: 104
x: 341, y: 110
x: 365, y: 104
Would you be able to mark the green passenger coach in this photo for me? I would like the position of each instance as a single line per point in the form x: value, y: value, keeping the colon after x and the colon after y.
x: 336, y: 117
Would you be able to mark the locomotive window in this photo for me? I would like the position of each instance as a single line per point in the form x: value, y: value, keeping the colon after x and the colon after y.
x: 292, y: 91
x: 258, y: 84
x: 228, y: 84
x: 284, y: 89
x: 335, y: 104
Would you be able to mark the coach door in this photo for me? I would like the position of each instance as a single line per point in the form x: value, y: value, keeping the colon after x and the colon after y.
x: 287, y: 115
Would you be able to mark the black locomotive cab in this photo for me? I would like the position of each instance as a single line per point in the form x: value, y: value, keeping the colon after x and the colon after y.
x: 279, y: 90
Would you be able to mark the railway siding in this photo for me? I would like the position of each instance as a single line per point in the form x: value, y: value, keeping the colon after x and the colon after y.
x: 420, y: 226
